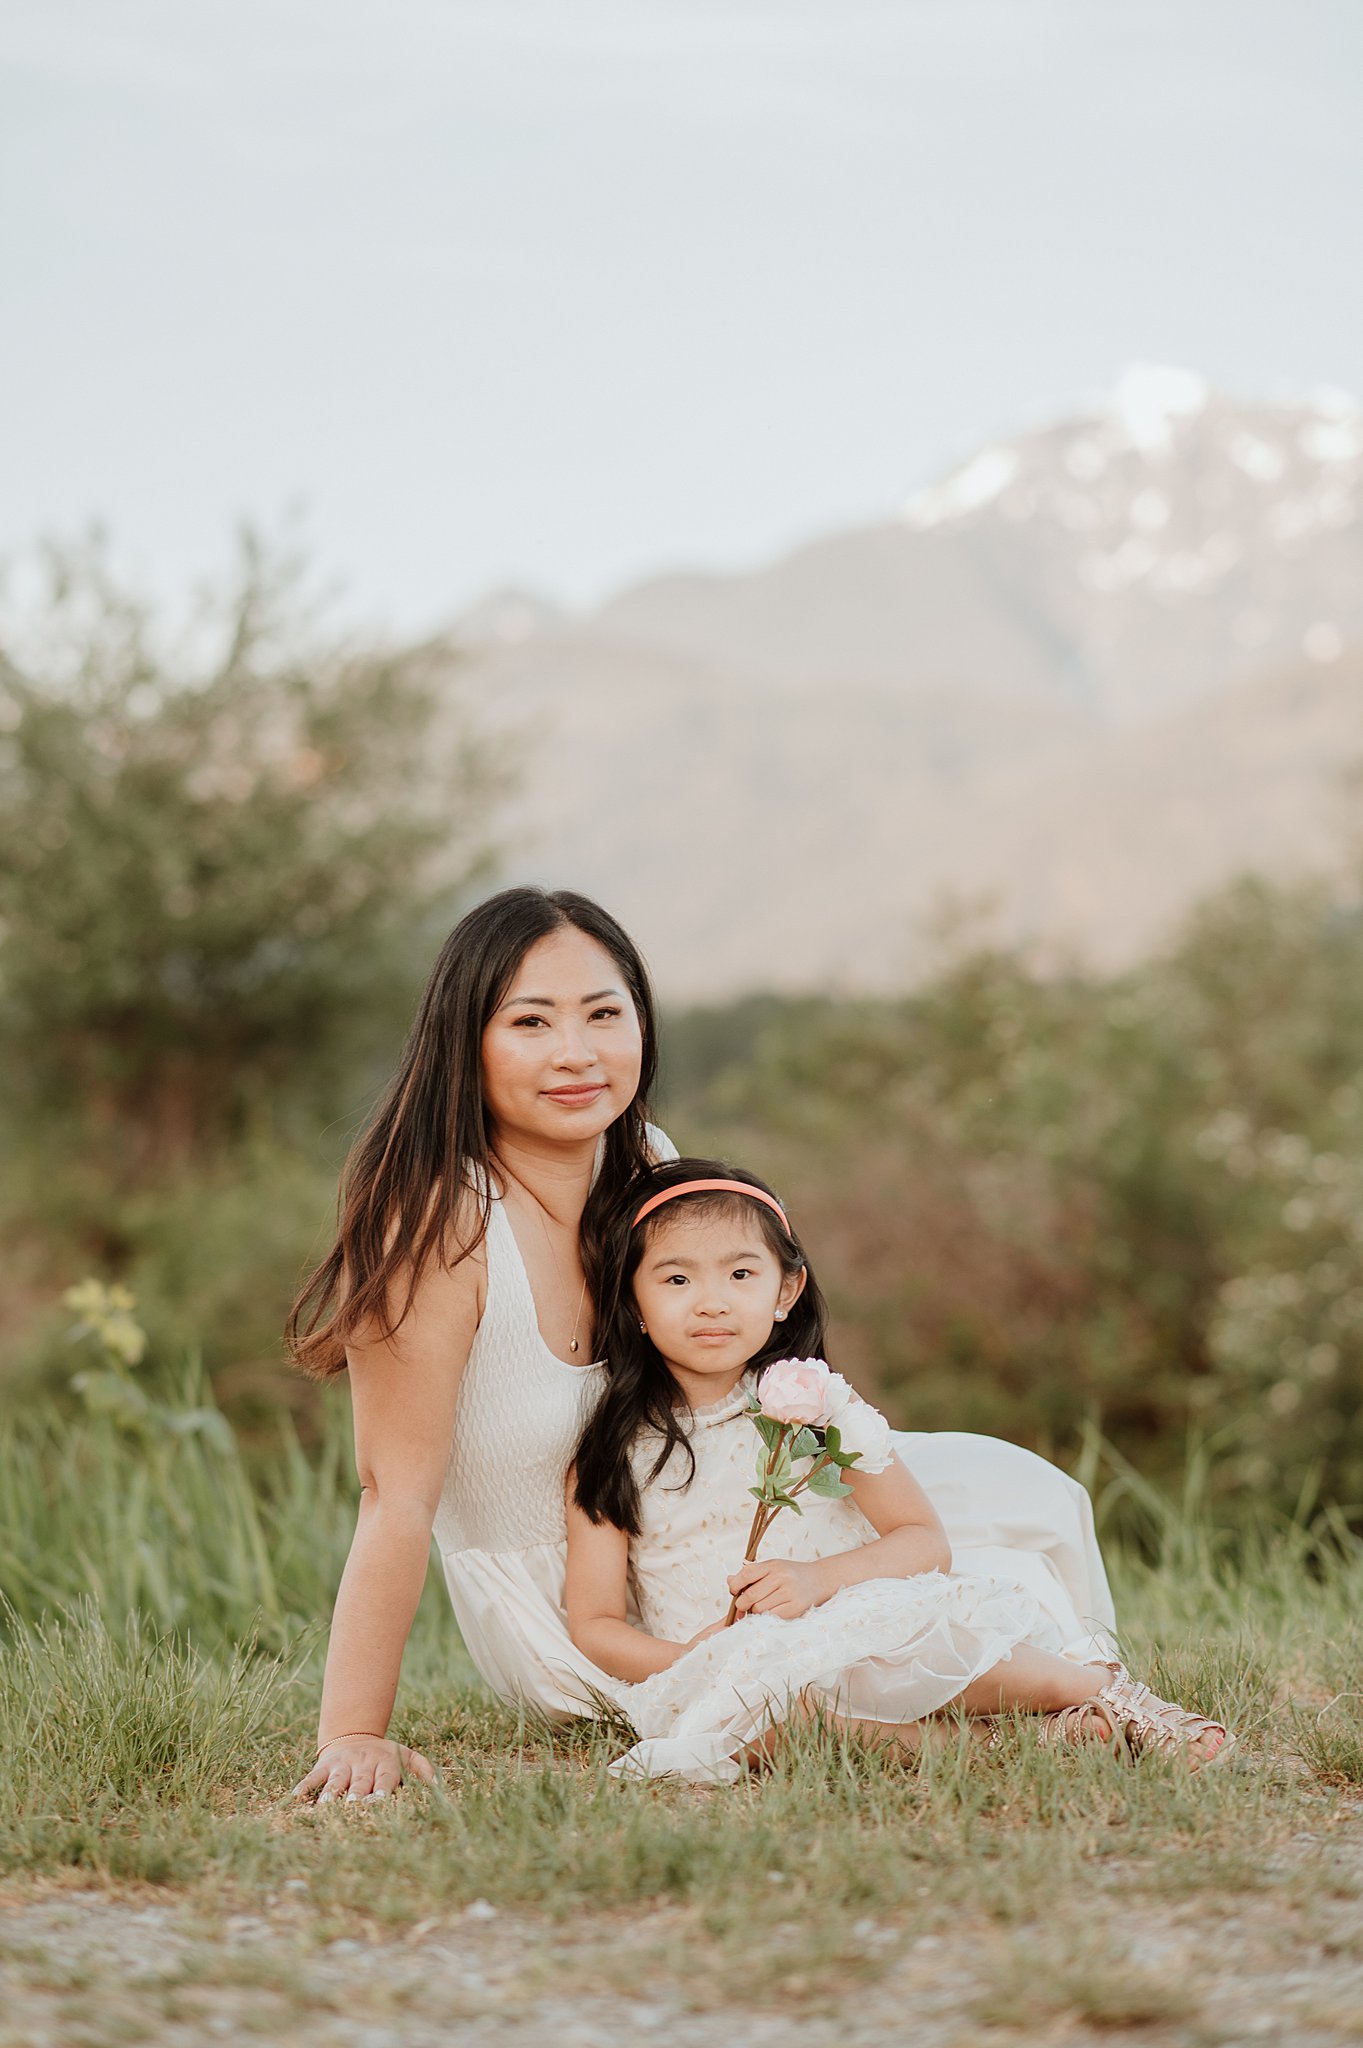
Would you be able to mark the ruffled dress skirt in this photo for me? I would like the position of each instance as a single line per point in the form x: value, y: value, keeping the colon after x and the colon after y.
x: 887, y: 1650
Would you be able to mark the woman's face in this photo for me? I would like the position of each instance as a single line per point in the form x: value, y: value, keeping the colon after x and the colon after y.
x: 562, y: 1053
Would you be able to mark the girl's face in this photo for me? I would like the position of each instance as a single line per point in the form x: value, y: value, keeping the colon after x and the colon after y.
x: 562, y: 1052
x: 707, y: 1289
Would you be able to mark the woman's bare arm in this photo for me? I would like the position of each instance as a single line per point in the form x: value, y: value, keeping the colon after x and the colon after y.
x: 403, y: 1392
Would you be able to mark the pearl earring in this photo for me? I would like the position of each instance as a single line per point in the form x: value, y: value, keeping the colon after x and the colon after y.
x: 643, y: 1326
x: 780, y: 1315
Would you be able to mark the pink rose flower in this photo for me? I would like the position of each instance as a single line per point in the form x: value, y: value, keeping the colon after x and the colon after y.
x: 794, y: 1390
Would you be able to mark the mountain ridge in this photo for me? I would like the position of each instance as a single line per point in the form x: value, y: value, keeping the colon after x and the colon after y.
x: 1093, y: 671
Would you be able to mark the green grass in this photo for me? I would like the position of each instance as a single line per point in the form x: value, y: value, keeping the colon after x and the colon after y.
x: 180, y: 1527
x: 156, y: 1705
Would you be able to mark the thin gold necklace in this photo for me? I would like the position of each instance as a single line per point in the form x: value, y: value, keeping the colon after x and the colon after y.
x: 549, y: 1247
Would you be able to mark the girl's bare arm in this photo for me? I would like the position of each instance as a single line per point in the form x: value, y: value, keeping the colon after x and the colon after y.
x: 597, y: 1587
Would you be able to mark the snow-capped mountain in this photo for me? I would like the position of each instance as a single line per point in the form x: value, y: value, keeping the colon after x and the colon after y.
x: 1090, y: 672
x: 1123, y: 560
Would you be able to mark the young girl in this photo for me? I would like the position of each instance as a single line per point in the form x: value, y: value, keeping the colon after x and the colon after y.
x: 851, y: 1607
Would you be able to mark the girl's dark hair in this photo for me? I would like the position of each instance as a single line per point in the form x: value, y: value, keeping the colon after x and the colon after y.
x: 641, y: 1393
x: 426, y: 1147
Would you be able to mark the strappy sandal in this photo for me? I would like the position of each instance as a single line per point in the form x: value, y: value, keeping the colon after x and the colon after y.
x: 1141, y: 1723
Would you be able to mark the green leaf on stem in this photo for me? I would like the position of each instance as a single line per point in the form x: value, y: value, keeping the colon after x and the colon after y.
x: 828, y: 1484
x: 806, y: 1445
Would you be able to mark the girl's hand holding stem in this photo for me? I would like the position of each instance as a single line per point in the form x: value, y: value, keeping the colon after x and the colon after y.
x: 779, y: 1585
x: 362, y: 1767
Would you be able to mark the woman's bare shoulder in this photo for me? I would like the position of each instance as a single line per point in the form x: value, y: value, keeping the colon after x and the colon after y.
x: 447, y: 1294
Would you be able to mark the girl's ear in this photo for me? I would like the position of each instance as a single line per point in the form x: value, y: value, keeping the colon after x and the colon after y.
x: 792, y: 1287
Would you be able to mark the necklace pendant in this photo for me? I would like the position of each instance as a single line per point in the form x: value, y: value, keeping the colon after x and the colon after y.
x: 572, y: 1343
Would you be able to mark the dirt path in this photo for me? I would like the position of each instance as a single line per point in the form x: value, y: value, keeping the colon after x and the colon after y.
x: 1277, y: 1965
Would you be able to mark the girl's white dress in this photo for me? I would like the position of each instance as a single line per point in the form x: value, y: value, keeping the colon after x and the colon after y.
x: 500, y: 1532
x: 889, y: 1650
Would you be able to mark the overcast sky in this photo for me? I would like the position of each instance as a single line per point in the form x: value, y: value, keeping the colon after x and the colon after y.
x: 562, y: 291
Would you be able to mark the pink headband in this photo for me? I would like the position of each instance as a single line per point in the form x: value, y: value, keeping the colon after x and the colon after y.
x: 717, y: 1187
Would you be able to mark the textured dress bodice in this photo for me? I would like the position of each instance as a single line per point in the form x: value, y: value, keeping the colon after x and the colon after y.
x: 520, y: 1412
x: 692, y: 1535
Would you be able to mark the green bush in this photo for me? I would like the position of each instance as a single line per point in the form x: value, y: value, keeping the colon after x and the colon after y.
x: 227, y: 853
x: 222, y: 856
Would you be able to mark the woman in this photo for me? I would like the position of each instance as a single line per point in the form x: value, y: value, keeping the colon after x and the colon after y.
x: 457, y: 1294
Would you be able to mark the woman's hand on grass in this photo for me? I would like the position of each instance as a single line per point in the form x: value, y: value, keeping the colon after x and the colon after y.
x: 366, y: 1767
x: 777, y: 1585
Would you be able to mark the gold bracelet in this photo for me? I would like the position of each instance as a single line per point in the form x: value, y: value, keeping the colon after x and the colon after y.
x: 352, y: 1735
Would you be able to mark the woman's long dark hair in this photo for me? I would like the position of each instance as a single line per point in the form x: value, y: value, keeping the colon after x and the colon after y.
x: 409, y: 1174
x: 641, y: 1394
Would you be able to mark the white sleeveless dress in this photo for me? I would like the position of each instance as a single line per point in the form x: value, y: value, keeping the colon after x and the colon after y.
x: 890, y: 1650
x: 500, y: 1528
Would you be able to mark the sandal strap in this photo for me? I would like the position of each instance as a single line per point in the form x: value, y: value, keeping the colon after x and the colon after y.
x: 1066, y: 1725
x: 1149, y: 1723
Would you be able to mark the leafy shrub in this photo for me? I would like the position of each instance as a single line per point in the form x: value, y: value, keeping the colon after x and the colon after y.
x: 1040, y: 1201
x: 221, y: 854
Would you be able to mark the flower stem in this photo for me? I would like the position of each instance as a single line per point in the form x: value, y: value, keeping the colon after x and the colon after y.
x: 762, y: 1520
